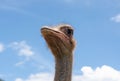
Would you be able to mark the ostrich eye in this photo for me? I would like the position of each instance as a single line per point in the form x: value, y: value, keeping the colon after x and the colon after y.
x: 69, y: 32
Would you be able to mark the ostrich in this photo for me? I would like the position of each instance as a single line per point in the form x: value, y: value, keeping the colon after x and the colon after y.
x: 61, y: 43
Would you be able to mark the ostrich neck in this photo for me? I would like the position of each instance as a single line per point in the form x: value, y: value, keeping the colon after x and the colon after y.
x: 63, y: 68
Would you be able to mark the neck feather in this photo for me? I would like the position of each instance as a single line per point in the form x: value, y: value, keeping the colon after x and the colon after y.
x: 63, y: 68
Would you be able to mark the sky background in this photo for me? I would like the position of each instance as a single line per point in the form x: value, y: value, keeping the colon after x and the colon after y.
x: 24, y: 55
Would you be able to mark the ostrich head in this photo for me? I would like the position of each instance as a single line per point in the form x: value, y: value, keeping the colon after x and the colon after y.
x: 60, y: 41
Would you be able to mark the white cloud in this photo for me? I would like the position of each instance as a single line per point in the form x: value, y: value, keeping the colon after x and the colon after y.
x: 80, y: 2
x: 38, y: 77
x: 18, y: 79
x: 1, y: 47
x: 27, y: 54
x: 23, y: 48
x: 104, y: 73
x: 116, y: 18
x: 20, y: 63
x: 68, y: 1
x: 1, y: 75
x: 17, y: 6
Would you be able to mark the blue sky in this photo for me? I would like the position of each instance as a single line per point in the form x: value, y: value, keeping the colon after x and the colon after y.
x: 24, y: 54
